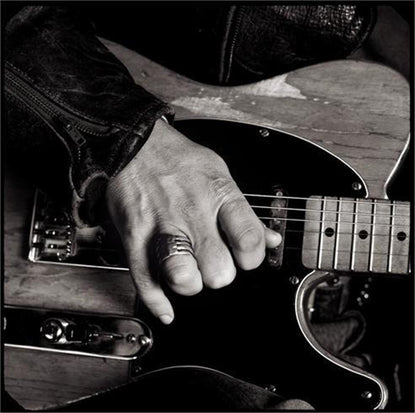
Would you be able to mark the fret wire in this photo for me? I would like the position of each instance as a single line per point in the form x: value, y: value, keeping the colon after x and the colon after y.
x: 336, y: 242
x: 307, y: 198
x: 371, y: 237
x: 305, y: 220
x: 320, y: 238
x: 390, y: 238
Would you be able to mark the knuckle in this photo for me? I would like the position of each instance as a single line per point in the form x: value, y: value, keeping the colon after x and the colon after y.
x: 144, y: 285
x: 253, y: 262
x: 183, y: 280
x: 249, y: 239
x: 222, y: 187
x: 235, y: 205
x: 188, y: 207
x: 178, y: 274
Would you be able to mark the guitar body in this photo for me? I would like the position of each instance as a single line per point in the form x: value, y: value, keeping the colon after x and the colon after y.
x: 337, y: 129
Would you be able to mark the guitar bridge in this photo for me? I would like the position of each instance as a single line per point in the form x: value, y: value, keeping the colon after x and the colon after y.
x: 54, y: 238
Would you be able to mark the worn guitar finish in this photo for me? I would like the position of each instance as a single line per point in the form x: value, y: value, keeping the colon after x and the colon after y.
x: 358, y: 112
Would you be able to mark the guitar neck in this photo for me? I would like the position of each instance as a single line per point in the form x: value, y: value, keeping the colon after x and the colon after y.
x: 357, y: 235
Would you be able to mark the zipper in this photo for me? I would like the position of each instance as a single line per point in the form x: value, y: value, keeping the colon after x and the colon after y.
x: 237, y: 19
x: 52, y: 113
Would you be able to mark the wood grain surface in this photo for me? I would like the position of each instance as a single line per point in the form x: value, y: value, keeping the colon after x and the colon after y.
x: 39, y: 380
x: 358, y: 111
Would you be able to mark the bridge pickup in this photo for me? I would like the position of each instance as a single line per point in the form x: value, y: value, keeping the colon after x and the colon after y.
x: 278, y: 223
x: 93, y: 335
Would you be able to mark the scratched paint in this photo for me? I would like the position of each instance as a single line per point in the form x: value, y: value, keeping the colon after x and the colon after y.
x: 277, y: 87
x: 217, y: 108
x: 211, y: 106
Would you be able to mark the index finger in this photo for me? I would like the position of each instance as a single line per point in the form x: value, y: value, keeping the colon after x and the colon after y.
x: 243, y: 230
x: 149, y: 290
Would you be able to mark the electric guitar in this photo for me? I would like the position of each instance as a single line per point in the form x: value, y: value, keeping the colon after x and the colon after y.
x: 314, y: 151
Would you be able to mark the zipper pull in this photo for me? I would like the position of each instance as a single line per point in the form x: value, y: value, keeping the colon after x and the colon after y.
x: 74, y: 133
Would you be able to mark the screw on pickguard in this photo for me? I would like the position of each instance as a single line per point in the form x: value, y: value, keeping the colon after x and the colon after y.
x: 364, y: 292
x: 278, y: 212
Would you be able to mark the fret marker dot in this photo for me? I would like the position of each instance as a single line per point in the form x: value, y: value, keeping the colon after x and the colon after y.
x: 401, y: 236
x: 363, y: 234
x: 329, y: 232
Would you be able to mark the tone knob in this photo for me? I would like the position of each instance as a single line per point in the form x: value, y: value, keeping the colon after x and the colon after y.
x: 52, y: 330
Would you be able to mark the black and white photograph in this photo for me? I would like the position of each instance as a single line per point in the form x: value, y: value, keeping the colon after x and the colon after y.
x: 207, y: 206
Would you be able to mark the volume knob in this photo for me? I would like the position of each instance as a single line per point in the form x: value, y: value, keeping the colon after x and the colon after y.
x: 52, y: 330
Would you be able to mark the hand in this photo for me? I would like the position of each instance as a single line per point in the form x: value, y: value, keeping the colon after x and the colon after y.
x: 178, y: 187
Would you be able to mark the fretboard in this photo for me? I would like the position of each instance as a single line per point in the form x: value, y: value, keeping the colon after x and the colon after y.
x: 361, y: 235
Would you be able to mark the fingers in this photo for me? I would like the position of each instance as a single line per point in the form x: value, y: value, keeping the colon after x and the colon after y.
x: 244, y: 232
x: 182, y: 274
x: 184, y: 277
x: 150, y: 291
x: 214, y: 259
x: 212, y: 264
x: 272, y: 238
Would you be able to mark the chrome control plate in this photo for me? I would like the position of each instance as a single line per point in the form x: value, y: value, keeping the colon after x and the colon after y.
x: 93, y: 335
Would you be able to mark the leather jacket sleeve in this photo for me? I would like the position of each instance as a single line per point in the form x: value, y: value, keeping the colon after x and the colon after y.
x: 73, y: 112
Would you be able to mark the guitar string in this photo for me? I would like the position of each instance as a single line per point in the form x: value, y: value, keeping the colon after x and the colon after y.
x: 305, y: 220
x: 286, y: 231
x: 301, y: 231
x: 332, y: 222
x: 346, y: 200
x: 291, y: 247
x: 390, y: 235
x: 334, y: 212
x: 285, y: 247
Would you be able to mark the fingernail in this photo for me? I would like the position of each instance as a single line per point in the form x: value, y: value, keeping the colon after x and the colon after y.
x: 166, y: 319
